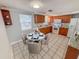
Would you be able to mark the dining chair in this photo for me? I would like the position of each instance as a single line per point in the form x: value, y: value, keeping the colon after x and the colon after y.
x: 46, y: 40
x: 34, y: 48
x: 24, y: 38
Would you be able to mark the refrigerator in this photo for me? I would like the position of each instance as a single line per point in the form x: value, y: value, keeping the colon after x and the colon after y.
x: 72, y: 27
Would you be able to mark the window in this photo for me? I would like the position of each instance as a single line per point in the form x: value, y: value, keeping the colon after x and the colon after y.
x: 26, y: 22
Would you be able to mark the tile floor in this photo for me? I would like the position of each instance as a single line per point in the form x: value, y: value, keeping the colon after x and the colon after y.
x: 56, y: 49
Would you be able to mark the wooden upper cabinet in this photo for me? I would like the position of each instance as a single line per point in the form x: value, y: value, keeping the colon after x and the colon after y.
x: 66, y: 19
x: 6, y: 17
x: 39, y: 18
x: 63, y: 31
x: 50, y: 19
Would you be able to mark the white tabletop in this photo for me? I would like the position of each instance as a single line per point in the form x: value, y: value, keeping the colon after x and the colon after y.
x: 35, y: 37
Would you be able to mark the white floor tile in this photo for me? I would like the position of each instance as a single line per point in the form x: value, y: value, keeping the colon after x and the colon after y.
x: 54, y: 50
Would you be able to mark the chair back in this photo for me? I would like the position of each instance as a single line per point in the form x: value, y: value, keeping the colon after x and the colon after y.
x: 34, y: 47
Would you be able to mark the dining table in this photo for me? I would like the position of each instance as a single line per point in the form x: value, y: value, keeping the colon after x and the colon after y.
x: 35, y: 42
x: 35, y: 36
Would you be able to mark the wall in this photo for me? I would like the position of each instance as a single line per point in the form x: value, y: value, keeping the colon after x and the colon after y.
x: 76, y: 16
x: 14, y: 31
x: 4, y: 43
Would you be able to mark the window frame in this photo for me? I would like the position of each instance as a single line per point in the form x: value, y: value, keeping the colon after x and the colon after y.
x: 31, y: 22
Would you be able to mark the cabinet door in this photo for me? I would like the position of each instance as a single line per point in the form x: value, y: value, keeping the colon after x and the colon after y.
x: 66, y: 19
x: 43, y: 30
x: 6, y: 17
x: 72, y: 53
x: 46, y: 30
x: 50, y: 19
x: 39, y: 18
x: 63, y: 31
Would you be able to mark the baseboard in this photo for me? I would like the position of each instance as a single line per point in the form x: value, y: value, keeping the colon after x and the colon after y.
x: 15, y: 42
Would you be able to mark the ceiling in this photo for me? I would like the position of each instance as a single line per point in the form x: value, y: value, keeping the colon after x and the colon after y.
x: 59, y: 7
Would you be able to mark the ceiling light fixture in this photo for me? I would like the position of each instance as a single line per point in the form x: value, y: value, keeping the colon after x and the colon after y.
x: 36, y: 4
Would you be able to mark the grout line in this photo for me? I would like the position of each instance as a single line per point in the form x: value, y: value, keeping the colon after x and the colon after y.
x: 56, y: 42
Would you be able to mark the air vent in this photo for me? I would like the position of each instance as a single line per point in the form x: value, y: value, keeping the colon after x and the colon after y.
x: 50, y: 10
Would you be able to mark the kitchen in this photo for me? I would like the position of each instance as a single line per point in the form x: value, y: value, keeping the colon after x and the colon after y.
x: 59, y: 29
x: 45, y: 24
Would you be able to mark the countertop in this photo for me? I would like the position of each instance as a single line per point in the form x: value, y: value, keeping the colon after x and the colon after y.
x: 42, y: 26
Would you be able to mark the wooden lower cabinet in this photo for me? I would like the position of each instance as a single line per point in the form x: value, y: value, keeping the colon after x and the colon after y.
x: 72, y: 53
x: 63, y: 31
x: 46, y: 30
